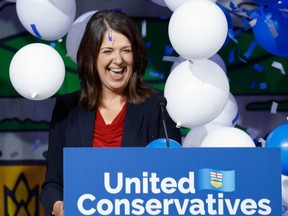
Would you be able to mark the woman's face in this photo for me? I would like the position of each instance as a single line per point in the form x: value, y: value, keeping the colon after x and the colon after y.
x: 115, y: 62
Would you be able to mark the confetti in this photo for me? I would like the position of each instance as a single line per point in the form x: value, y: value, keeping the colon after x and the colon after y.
x: 144, y: 28
x: 279, y: 66
x: 231, y: 56
x: 231, y: 35
x: 171, y: 59
x: 272, y: 28
x: 262, y: 141
x: 263, y: 85
x: 53, y: 45
x: 235, y: 119
x: 252, y: 23
x: 251, y: 48
x: 251, y: 132
x: 273, y: 109
x: 34, y: 29
x: 241, y: 59
x: 258, y: 67
x: 37, y: 144
x: 169, y: 50
x: 245, y: 23
x: 156, y: 74
x: 148, y: 44
x: 253, y: 84
x: 110, y: 35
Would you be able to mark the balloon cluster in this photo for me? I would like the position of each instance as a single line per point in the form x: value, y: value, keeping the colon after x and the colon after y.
x: 197, y: 89
x: 37, y: 70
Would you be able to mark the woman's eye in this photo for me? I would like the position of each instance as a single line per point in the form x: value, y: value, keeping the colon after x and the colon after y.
x: 127, y: 51
x: 107, y: 51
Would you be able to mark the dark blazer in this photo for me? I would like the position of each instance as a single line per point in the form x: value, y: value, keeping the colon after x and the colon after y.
x: 72, y: 126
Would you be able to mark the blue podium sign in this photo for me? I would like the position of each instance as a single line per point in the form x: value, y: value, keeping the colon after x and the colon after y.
x: 172, y: 181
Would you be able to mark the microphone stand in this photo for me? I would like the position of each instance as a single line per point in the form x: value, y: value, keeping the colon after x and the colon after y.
x: 164, y: 125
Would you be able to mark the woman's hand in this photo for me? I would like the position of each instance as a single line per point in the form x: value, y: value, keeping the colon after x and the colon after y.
x: 58, y: 208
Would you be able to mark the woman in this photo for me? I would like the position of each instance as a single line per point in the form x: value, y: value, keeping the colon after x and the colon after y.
x: 113, y: 107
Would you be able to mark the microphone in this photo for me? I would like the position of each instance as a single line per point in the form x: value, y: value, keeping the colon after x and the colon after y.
x: 162, y: 102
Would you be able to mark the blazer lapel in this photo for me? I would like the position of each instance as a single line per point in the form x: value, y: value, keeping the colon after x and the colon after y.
x: 86, y: 127
x: 133, y: 119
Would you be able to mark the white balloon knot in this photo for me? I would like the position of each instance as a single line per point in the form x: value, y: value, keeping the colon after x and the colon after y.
x: 34, y: 95
x: 178, y: 125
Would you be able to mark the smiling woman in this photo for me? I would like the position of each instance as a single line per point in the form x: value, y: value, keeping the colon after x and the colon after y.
x: 114, y: 108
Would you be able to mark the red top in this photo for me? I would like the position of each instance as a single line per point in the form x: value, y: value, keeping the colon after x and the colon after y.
x: 109, y: 135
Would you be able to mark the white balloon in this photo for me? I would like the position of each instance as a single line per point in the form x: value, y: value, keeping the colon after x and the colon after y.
x: 197, y: 134
x: 216, y: 58
x: 196, y: 92
x: 46, y: 19
x: 37, y: 71
x: 174, y: 4
x: 227, y: 118
x: 229, y: 115
x: 197, y: 29
x: 227, y: 137
x: 75, y: 34
x: 160, y: 2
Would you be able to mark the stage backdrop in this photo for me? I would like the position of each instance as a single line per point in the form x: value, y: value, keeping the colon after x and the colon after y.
x: 259, y: 88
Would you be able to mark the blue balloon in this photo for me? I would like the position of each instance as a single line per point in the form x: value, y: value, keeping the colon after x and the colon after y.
x: 161, y: 143
x: 274, y: 3
x: 278, y: 137
x: 270, y: 30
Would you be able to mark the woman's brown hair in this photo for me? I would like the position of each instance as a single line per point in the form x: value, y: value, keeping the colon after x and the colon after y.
x: 90, y: 92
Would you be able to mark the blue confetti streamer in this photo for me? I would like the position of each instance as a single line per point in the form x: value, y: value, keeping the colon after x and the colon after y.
x: 245, y: 23
x: 231, y: 56
x: 252, y: 86
x: 251, y: 48
x: 263, y: 85
x: 241, y: 59
x: 156, y: 74
x: 235, y: 119
x: 258, y: 68
x: 110, y: 35
x: 36, y: 144
x: 254, y: 13
x: 233, y: 7
x: 148, y: 44
x: 168, y: 50
x: 34, y: 29
x: 232, y: 36
x: 53, y: 45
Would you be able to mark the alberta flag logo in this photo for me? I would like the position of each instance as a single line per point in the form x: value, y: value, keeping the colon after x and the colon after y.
x: 216, y: 179
x: 220, y: 180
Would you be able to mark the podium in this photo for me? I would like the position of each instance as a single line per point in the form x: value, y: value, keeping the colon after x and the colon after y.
x: 172, y: 181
